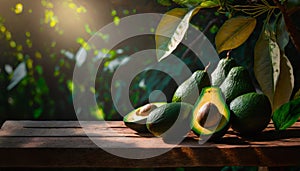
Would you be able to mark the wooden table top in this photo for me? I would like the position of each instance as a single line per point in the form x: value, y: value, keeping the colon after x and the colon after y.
x: 111, y: 144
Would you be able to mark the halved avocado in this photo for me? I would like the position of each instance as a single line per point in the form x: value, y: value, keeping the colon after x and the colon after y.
x: 211, y: 115
x: 137, y: 118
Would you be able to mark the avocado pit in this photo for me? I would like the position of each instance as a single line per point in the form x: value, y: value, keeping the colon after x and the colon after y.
x: 145, y: 110
x: 209, y: 116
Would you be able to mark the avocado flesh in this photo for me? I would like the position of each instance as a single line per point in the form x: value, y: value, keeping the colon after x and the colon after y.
x: 223, y: 68
x: 237, y: 82
x: 170, y: 121
x: 216, y: 123
x: 190, y: 89
x: 251, y: 113
x: 136, y: 119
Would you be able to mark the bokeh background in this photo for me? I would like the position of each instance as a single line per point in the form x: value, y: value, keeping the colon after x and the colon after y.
x: 39, y: 45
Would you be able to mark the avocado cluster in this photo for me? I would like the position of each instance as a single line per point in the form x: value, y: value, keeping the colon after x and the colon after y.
x: 250, y: 111
x: 208, y: 108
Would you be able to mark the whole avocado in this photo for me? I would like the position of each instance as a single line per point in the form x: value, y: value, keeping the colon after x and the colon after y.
x: 237, y: 82
x: 223, y: 68
x: 190, y: 89
x: 251, y: 113
x: 171, y: 121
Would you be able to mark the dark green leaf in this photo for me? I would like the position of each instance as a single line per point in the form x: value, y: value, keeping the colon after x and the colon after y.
x: 267, y: 61
x: 187, y: 2
x: 286, y: 115
x: 165, y: 2
x: 285, y: 82
x: 293, y: 3
x: 37, y: 113
x: 240, y: 168
x: 297, y: 95
x: 282, y: 34
x: 42, y: 86
x: 39, y: 69
x: 263, y: 65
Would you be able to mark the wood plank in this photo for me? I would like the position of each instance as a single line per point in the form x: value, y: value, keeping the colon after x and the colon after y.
x: 64, y: 128
x: 177, y: 157
x: 65, y: 144
x: 57, y: 124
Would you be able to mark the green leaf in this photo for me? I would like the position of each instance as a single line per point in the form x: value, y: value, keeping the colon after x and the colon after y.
x: 37, y: 113
x: 187, y: 3
x: 165, y: 2
x: 286, y: 115
x: 239, y: 168
x: 297, y: 95
x: 281, y: 33
x: 42, y: 86
x: 39, y: 69
x: 209, y: 4
x: 267, y: 61
x: 234, y: 32
x: 293, y: 4
x: 173, y: 28
x: 285, y: 83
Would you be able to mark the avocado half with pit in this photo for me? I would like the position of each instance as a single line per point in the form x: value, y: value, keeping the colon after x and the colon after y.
x: 137, y: 118
x: 211, y: 115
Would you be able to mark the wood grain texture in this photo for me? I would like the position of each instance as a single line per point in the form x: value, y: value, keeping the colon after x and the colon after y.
x: 66, y: 144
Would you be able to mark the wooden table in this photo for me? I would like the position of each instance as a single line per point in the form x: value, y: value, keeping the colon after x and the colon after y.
x: 65, y: 144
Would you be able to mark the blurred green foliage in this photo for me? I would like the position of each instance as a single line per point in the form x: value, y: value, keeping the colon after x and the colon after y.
x: 39, y: 46
x: 46, y: 37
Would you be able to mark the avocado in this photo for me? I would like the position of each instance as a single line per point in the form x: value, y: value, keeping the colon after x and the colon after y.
x: 251, y: 113
x: 190, y: 89
x: 137, y: 118
x: 170, y: 121
x: 222, y: 70
x: 211, y: 115
x: 237, y: 82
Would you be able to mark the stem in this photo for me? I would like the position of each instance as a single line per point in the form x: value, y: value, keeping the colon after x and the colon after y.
x: 260, y: 13
x: 294, y: 34
x: 255, y: 10
x: 207, y: 66
x: 228, y: 54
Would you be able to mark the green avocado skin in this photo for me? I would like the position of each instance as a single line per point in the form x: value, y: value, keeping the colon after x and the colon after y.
x: 139, y: 127
x: 220, y: 73
x: 218, y: 135
x: 237, y: 82
x: 251, y: 113
x: 190, y: 89
x: 160, y: 121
